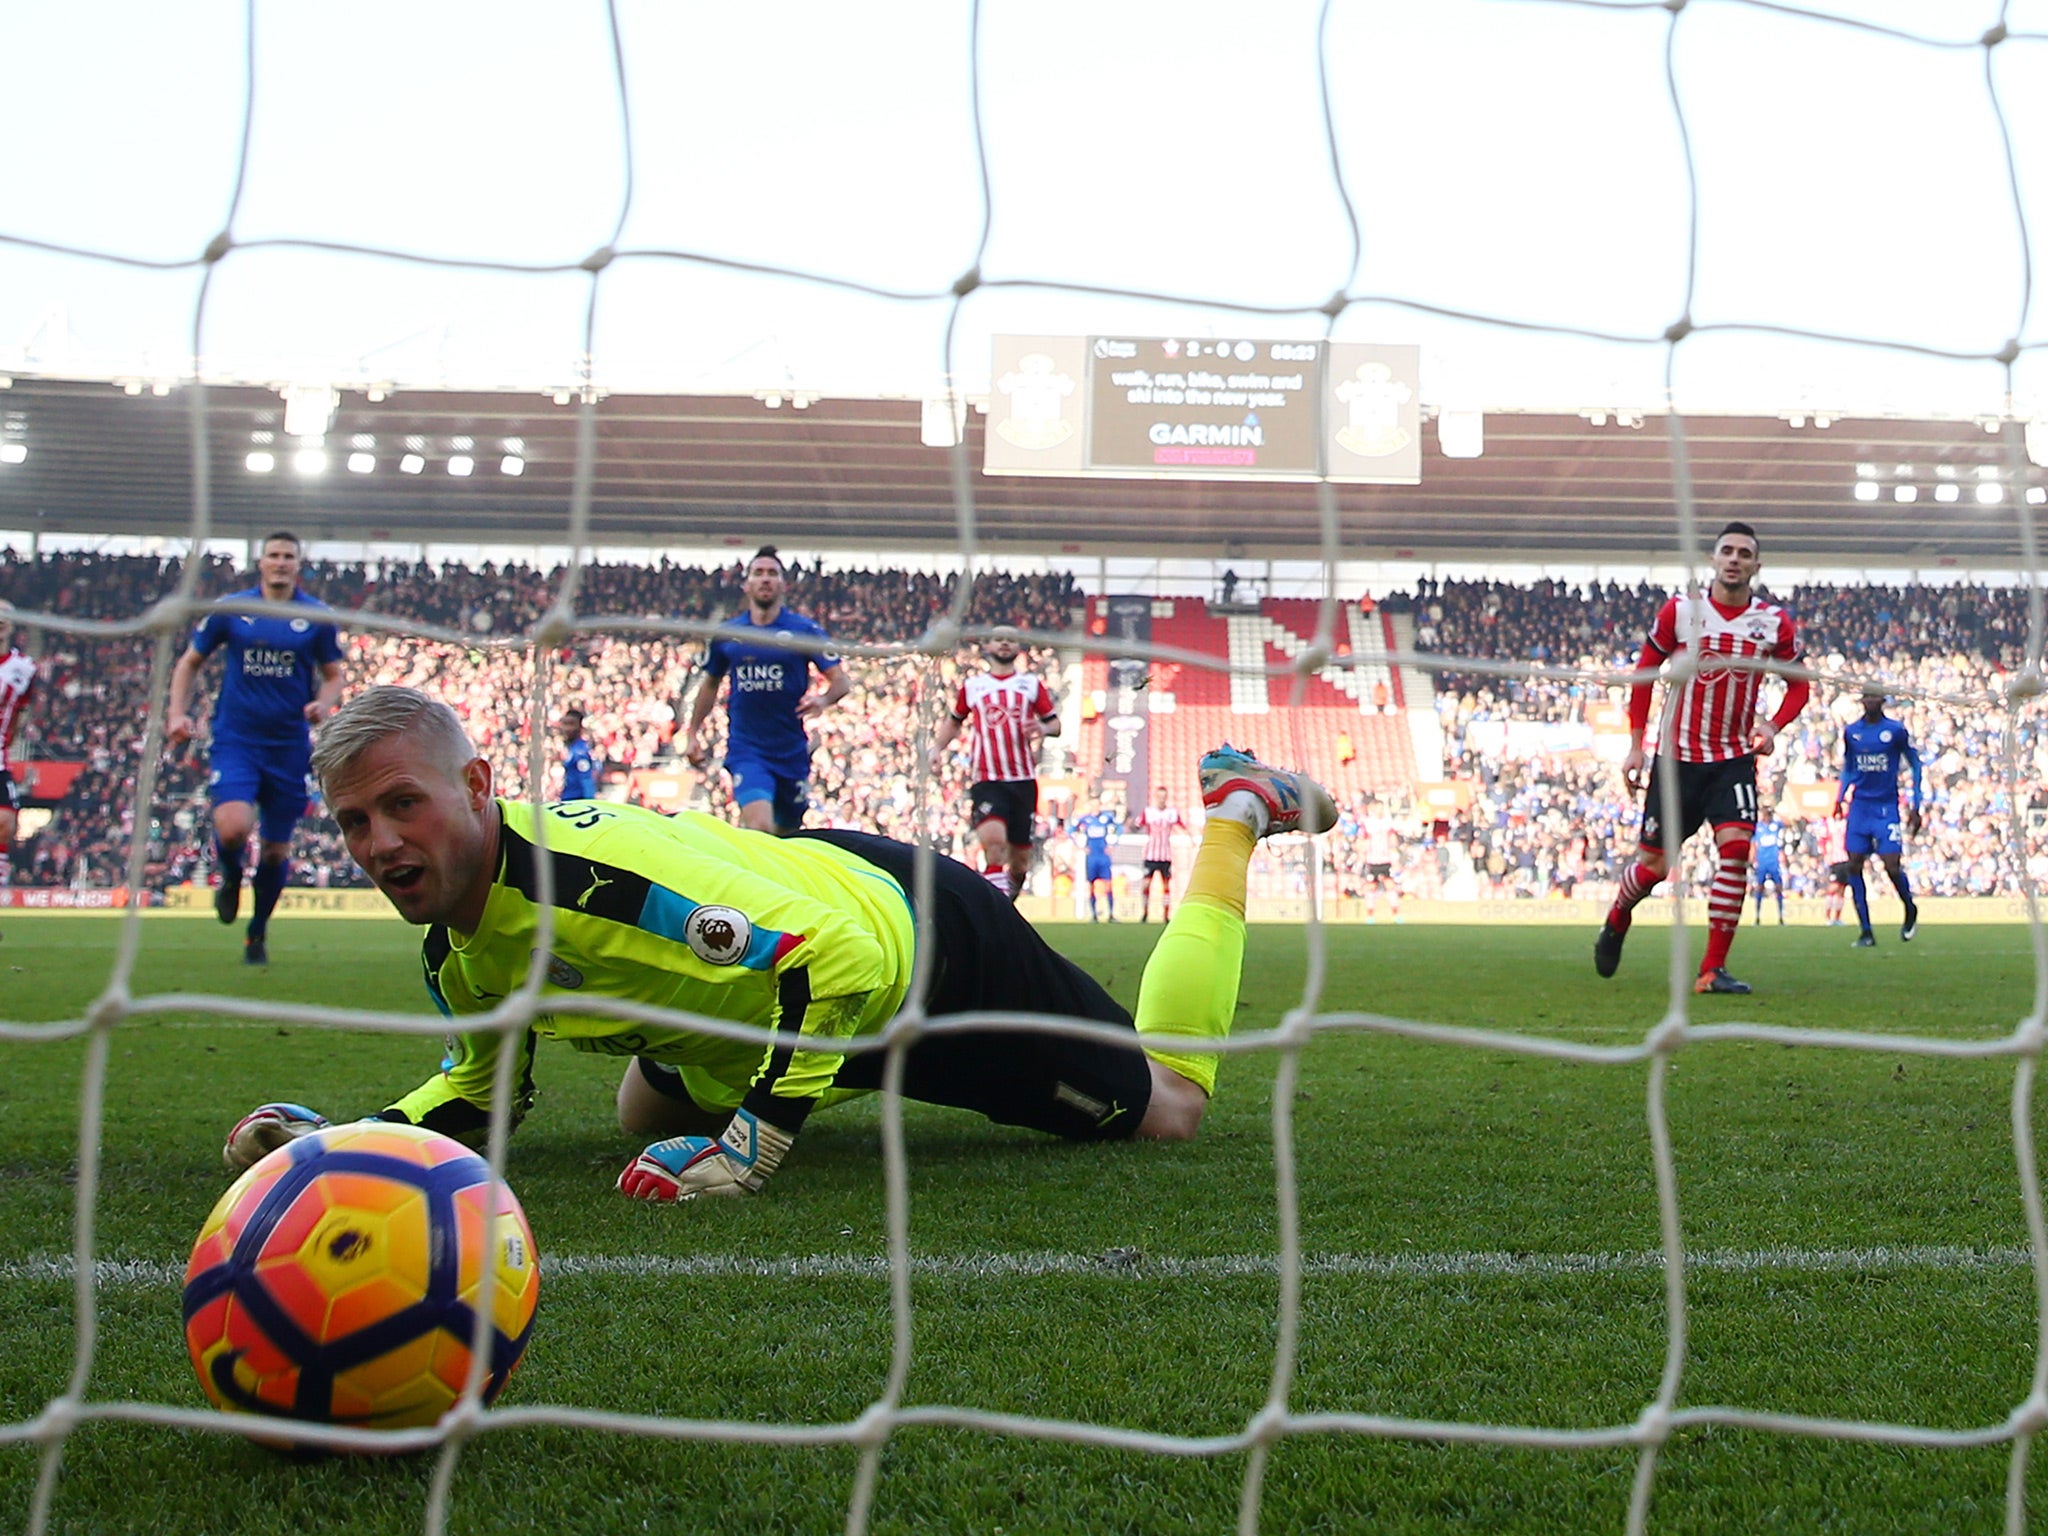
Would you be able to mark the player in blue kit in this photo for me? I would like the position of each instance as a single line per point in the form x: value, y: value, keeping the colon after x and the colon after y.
x: 1768, y: 870
x: 1872, y: 749
x: 282, y: 677
x: 767, y: 752
x: 579, y: 763
x: 1094, y: 831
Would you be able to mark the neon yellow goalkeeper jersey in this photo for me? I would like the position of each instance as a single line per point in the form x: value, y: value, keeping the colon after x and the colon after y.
x: 685, y: 912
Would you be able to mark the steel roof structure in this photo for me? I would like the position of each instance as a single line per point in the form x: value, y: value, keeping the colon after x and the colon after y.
x: 96, y: 457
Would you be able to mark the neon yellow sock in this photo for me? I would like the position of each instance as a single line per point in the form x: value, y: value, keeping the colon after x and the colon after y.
x: 1220, y: 863
x: 1190, y: 984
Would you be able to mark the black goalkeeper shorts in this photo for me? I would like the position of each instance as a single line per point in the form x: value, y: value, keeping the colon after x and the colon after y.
x: 991, y: 960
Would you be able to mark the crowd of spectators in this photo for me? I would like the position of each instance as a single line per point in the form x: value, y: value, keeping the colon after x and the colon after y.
x: 633, y: 688
x: 1544, y: 815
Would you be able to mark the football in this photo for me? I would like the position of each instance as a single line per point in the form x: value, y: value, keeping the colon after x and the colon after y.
x: 335, y: 1281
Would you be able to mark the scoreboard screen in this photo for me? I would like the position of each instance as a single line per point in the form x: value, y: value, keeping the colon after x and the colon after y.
x: 1204, y: 407
x: 1137, y: 407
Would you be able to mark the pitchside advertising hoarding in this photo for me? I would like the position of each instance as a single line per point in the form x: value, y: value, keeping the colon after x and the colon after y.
x: 1204, y: 408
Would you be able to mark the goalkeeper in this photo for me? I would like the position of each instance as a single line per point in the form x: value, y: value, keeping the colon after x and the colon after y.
x: 812, y: 937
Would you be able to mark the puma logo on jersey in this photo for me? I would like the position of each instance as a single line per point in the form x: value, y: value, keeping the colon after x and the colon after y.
x: 597, y: 883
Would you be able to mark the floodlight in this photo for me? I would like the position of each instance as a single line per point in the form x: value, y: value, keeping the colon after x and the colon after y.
x: 361, y: 463
x: 511, y: 464
x: 261, y: 463
x: 309, y: 409
x: 411, y: 464
x: 461, y: 464
x: 1866, y: 490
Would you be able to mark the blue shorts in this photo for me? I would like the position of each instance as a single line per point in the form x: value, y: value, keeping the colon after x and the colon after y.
x: 1873, y: 829
x: 1098, y: 867
x: 276, y: 780
x: 754, y: 780
x: 1768, y: 869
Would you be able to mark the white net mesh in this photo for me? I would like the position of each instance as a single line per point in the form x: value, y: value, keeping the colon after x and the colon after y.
x: 1662, y: 1041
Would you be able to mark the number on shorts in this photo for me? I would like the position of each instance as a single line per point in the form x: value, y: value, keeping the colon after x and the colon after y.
x: 1745, y: 803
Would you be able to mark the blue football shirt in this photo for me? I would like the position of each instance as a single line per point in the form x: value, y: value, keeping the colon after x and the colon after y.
x: 579, y: 771
x: 768, y: 681
x: 1871, y: 754
x: 1096, y: 829
x: 273, y: 671
x: 1768, y: 838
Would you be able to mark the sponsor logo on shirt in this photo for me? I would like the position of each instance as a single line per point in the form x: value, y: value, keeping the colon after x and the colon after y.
x: 267, y: 661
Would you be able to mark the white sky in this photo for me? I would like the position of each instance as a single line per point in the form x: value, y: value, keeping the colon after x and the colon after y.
x: 1507, y: 157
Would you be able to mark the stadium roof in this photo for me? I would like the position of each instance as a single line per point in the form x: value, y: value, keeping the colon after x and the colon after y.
x: 102, y: 458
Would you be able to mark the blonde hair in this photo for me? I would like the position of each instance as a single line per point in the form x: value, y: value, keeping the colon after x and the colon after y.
x: 379, y: 713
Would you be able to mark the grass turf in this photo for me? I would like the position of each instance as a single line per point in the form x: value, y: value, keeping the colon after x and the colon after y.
x: 1455, y: 1205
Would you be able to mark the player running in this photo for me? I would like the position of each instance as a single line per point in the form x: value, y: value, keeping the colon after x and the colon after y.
x: 579, y: 764
x: 17, y: 687
x: 1770, y: 869
x: 1158, y: 822
x: 1382, y: 853
x: 283, y: 676
x: 1710, y: 723
x: 812, y: 936
x: 1012, y: 711
x: 1872, y: 749
x: 767, y: 752
x: 1093, y: 831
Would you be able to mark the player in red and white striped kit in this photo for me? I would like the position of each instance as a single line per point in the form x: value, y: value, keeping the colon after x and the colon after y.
x: 1012, y: 711
x: 17, y: 685
x: 1711, y: 727
x: 1382, y: 841
x: 1158, y: 821
x: 1834, y: 858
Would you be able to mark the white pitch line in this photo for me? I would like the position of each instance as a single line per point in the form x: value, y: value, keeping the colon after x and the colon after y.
x: 1135, y: 1265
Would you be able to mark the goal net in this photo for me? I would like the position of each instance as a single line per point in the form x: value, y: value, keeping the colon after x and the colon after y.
x: 1364, y: 272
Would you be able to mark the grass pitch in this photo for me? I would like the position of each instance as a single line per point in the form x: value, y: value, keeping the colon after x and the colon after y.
x: 1479, y: 1232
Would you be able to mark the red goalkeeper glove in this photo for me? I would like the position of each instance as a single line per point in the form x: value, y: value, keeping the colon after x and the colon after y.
x: 266, y: 1128
x: 684, y: 1167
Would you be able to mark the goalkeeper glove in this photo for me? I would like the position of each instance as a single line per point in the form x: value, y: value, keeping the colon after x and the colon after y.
x: 684, y: 1167
x: 266, y: 1128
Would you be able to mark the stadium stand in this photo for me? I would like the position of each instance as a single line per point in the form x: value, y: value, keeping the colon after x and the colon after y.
x: 1536, y: 815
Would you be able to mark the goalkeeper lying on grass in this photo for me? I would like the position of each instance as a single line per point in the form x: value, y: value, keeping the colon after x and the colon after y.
x: 812, y: 937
